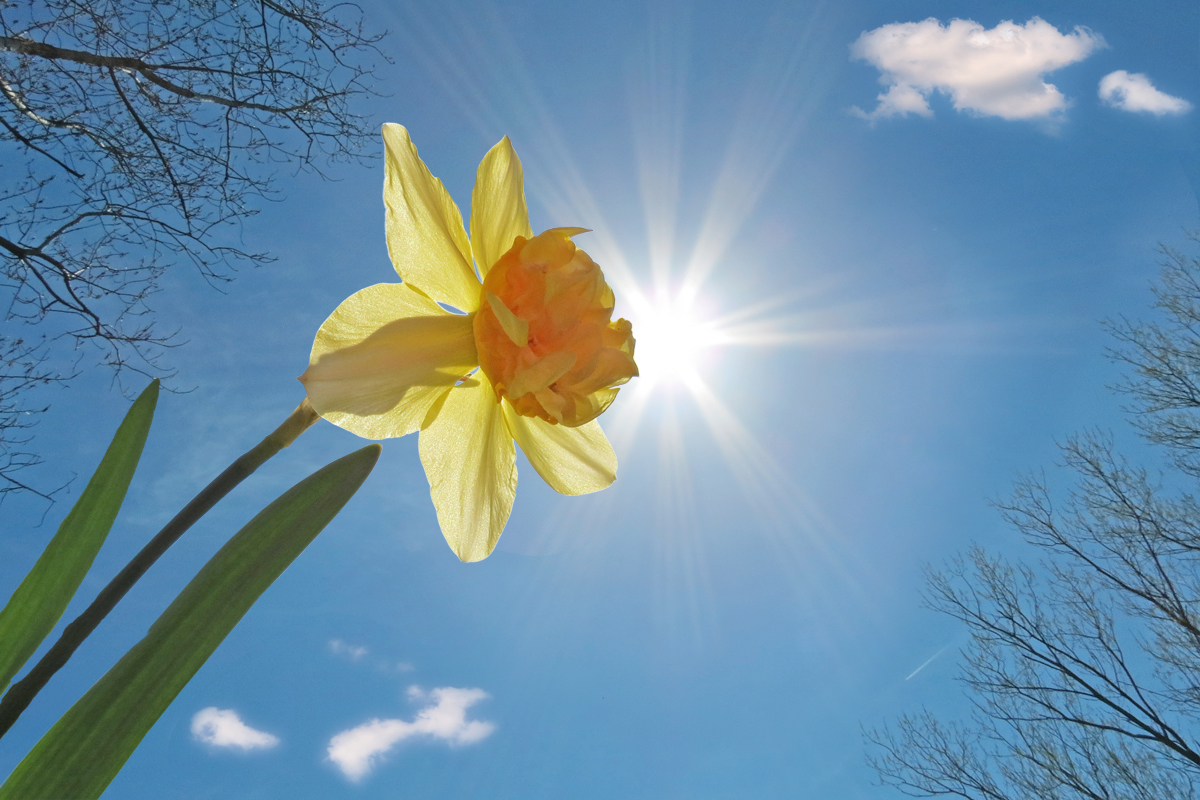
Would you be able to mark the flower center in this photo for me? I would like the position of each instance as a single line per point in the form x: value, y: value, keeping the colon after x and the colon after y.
x: 545, y: 333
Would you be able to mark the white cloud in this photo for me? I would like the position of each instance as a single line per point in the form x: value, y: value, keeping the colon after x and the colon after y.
x: 340, y: 648
x: 1134, y: 92
x: 997, y: 72
x: 224, y: 728
x: 357, y: 750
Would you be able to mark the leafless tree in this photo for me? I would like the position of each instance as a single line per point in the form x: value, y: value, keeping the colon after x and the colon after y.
x: 136, y: 135
x: 1084, y: 668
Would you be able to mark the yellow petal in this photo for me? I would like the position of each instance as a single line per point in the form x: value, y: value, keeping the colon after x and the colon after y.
x: 552, y: 247
x: 498, y: 211
x: 570, y: 232
x: 471, y: 465
x: 540, y: 374
x: 514, y: 327
x: 554, y: 403
x: 384, y: 357
x: 572, y: 460
x: 425, y: 234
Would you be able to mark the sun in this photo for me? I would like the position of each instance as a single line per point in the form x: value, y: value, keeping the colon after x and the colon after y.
x: 674, y: 341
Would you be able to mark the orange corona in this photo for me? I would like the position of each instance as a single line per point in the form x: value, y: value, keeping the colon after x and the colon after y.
x: 545, y: 334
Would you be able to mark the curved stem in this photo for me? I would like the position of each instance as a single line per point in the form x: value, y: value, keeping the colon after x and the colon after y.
x: 23, y: 691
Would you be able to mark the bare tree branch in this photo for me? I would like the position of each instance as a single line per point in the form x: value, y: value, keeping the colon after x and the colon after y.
x: 1084, y: 669
x: 136, y: 135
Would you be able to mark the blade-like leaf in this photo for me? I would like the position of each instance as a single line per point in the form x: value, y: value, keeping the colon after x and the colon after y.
x: 41, y: 599
x: 85, y: 749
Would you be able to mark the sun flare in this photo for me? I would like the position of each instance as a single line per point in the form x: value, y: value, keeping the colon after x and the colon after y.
x: 673, y: 341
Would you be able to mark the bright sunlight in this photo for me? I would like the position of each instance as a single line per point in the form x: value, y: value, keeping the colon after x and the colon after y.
x: 672, y: 340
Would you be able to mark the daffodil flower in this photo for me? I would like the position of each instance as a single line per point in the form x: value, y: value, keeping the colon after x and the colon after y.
x: 533, y: 358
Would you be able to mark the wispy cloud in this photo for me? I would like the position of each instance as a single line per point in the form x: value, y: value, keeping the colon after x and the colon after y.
x: 357, y: 750
x: 995, y: 73
x: 224, y: 728
x: 1133, y: 91
x: 341, y: 648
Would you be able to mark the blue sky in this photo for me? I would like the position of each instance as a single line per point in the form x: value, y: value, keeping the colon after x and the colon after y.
x: 910, y: 303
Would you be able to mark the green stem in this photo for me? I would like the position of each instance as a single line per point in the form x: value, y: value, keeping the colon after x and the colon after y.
x: 23, y: 691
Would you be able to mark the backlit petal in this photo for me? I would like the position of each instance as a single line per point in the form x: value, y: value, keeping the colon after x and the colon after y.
x: 470, y: 462
x: 384, y: 356
x: 515, y: 328
x: 425, y: 234
x: 498, y: 211
x: 572, y: 460
x: 541, y: 373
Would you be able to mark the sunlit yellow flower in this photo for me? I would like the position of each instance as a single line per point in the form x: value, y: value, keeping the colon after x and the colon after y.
x: 391, y: 360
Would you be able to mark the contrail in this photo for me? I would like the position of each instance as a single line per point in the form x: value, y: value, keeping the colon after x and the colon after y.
x: 926, y: 664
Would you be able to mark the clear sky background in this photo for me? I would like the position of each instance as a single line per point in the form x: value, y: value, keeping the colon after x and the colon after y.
x: 904, y: 308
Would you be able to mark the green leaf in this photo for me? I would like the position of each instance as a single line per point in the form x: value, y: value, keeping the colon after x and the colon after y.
x: 85, y: 749
x: 41, y: 599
